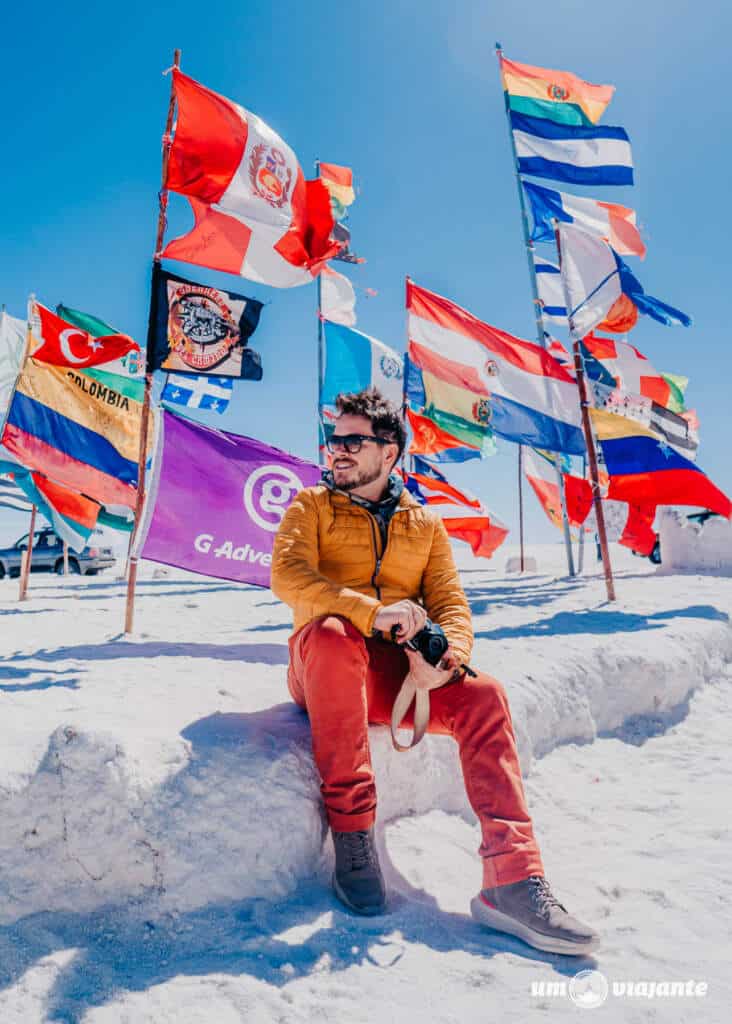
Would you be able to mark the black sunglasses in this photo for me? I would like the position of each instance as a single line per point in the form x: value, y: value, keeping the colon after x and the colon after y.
x: 352, y: 442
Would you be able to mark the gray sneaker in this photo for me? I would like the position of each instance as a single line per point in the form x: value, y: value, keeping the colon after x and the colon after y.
x: 357, y: 878
x: 529, y: 910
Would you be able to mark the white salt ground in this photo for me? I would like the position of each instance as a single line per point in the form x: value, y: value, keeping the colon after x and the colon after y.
x: 161, y: 828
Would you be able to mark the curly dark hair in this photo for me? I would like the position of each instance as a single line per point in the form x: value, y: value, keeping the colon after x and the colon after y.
x: 386, y: 418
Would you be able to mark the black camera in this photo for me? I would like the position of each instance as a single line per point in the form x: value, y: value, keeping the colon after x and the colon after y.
x: 431, y: 642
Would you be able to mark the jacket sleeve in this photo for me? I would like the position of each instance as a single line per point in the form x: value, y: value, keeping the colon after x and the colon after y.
x: 295, y: 576
x: 444, y: 597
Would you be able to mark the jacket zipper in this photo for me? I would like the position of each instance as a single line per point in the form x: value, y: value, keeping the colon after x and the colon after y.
x: 377, y: 566
x: 379, y: 557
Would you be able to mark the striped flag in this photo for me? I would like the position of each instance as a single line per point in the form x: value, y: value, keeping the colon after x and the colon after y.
x: 611, y: 221
x: 551, y: 293
x: 598, y: 155
x: 514, y: 387
x: 76, y: 431
x: 559, y: 96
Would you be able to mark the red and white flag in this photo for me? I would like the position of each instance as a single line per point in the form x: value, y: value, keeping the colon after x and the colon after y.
x: 64, y: 344
x: 255, y: 214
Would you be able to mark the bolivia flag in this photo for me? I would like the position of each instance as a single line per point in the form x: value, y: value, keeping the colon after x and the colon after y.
x: 558, y: 96
x: 645, y: 470
x: 429, y: 439
x: 76, y: 431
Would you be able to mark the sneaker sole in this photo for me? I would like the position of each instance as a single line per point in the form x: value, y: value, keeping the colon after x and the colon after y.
x: 363, y: 911
x: 547, y: 943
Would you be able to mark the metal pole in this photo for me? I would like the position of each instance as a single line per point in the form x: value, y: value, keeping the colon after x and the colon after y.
x: 322, y: 458
x: 27, y: 558
x: 66, y: 559
x: 142, y: 456
x: 581, y: 541
x: 538, y: 315
x: 521, y: 502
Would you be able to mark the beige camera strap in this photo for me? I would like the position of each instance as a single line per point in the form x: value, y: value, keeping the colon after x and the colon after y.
x: 404, y: 698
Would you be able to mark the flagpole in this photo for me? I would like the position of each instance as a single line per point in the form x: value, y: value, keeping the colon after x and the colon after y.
x: 521, y: 502
x: 146, y: 402
x: 538, y: 315
x: 321, y: 425
x: 579, y: 370
x: 27, y: 557
x: 581, y: 541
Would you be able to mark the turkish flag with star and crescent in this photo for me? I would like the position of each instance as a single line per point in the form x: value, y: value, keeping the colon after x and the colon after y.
x: 63, y: 344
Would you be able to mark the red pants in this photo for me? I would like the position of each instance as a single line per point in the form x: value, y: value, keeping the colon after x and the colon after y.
x: 345, y: 682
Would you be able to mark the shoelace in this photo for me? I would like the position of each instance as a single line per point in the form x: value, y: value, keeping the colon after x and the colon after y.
x: 542, y: 895
x: 358, y: 849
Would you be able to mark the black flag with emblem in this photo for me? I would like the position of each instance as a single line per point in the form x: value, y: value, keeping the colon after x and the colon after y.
x: 201, y: 330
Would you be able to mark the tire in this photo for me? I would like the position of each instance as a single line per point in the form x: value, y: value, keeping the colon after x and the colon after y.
x: 74, y: 569
x: 91, y: 572
x: 655, y: 555
x: 14, y: 574
x: 2, y: 572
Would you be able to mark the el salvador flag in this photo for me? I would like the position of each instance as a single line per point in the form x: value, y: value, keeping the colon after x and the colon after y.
x: 203, y: 392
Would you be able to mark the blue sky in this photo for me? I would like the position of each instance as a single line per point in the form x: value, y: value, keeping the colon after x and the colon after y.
x: 407, y: 93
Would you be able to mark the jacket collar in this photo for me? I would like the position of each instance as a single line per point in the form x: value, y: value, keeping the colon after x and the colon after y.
x: 397, y: 494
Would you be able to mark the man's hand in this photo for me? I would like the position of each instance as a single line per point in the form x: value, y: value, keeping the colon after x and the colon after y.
x: 408, y: 616
x: 426, y: 676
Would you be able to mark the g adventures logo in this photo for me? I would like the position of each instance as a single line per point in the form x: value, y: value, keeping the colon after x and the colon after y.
x: 201, y: 326
x: 270, y: 175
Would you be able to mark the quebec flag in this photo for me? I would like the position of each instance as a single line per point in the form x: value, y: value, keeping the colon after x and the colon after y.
x: 203, y: 392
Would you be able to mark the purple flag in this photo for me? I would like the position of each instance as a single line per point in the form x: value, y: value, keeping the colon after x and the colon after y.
x: 218, y: 499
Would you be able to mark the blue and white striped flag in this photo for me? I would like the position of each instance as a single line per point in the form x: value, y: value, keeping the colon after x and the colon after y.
x: 213, y: 393
x: 598, y: 155
x: 551, y: 293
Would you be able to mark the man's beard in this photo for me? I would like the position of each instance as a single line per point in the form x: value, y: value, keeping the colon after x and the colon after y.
x: 361, y: 479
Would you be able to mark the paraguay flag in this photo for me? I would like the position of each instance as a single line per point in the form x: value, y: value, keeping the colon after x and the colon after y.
x: 596, y: 155
x: 512, y: 386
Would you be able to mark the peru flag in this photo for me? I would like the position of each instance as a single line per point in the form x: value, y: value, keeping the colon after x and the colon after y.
x: 255, y: 214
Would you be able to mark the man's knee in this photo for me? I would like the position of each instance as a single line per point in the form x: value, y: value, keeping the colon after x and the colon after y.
x: 487, y: 689
x: 334, y: 634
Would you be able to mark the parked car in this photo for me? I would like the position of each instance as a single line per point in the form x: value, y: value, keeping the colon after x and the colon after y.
x: 48, y: 555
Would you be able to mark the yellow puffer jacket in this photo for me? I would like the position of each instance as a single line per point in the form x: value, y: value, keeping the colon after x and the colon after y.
x: 327, y: 560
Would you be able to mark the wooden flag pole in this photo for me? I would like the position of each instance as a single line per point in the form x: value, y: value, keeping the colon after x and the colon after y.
x: 579, y: 369
x: 27, y: 558
x: 594, y: 474
x: 538, y: 315
x: 66, y: 559
x: 146, y: 402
